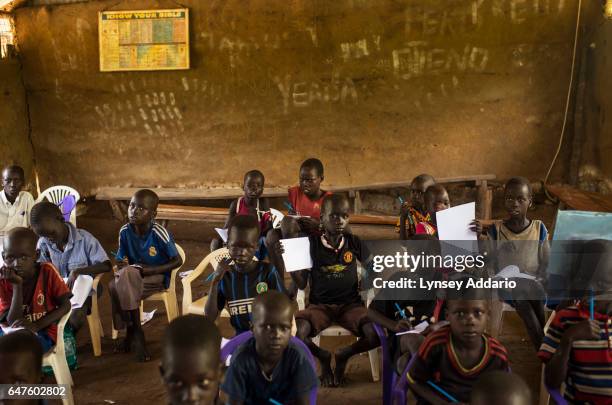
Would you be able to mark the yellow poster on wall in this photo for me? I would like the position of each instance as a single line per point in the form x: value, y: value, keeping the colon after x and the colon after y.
x: 144, y: 40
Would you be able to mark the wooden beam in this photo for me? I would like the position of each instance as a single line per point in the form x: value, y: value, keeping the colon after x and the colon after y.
x: 582, y: 200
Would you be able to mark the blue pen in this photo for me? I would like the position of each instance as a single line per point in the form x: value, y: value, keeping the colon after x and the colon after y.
x: 288, y: 205
x: 401, y: 200
x: 273, y: 401
x: 441, y: 391
x: 210, y: 276
x: 592, y: 304
x: 400, y: 310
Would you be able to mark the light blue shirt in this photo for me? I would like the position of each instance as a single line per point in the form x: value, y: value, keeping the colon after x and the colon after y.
x: 81, y: 250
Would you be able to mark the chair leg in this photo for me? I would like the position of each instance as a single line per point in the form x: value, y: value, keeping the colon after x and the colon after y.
x: 61, y: 370
x: 100, y: 328
x: 374, y: 364
x: 170, y: 307
x: 95, y: 334
x: 69, y: 400
x: 114, y: 332
x: 544, y: 395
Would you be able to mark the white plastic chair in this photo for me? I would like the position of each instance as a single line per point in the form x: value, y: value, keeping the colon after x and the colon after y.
x: 168, y: 296
x: 56, y: 194
x: 197, y: 307
x: 93, y: 320
x: 336, y: 330
x: 56, y: 359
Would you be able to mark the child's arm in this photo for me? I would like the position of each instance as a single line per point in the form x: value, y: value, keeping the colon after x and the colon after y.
x: 211, y: 310
x: 402, y: 222
x: 544, y: 254
x: 230, y: 214
x: 98, y: 259
x: 376, y: 316
x: 162, y: 268
x: 300, y: 278
x: 15, y: 311
x: 55, y: 315
x: 555, y: 370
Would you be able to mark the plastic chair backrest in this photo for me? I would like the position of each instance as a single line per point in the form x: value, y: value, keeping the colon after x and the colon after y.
x: 181, y: 252
x: 59, y: 345
x: 57, y: 195
x: 236, y: 341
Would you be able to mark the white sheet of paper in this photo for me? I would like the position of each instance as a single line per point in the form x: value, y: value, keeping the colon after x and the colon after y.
x: 513, y: 271
x: 277, y: 217
x: 184, y: 274
x: 7, y: 329
x: 222, y: 233
x: 417, y: 329
x: 147, y: 316
x: 454, y: 223
x: 81, y: 290
x: 297, y: 254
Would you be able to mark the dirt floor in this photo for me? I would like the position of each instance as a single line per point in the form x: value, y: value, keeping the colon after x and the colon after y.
x: 117, y: 379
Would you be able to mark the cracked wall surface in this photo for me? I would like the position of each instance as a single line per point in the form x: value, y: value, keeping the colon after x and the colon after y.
x: 379, y: 90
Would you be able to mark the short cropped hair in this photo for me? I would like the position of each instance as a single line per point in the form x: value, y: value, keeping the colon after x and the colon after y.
x: 254, y: 173
x: 149, y: 194
x: 243, y: 223
x: 23, y: 342
x: 14, y: 168
x: 331, y: 199
x: 271, y: 300
x: 519, y: 181
x: 21, y: 233
x: 44, y: 210
x: 192, y: 332
x: 423, y: 178
x: 313, y: 163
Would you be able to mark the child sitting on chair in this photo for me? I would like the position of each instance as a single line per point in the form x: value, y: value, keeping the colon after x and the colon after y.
x: 72, y: 251
x: 576, y: 349
x: 455, y: 356
x: 32, y: 295
x: 250, y: 204
x: 522, y: 242
x: 146, y: 257
x: 414, y: 212
x: 268, y: 368
x: 190, y: 367
x: 334, y: 290
x: 238, y: 280
x: 15, y: 204
x: 305, y: 203
x: 21, y: 359
x: 436, y: 199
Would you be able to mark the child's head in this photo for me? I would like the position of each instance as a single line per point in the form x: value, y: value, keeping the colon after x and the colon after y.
x: 143, y: 207
x: 436, y: 199
x: 467, y: 310
x: 190, y: 366
x: 47, y: 221
x: 253, y: 184
x: 21, y: 359
x: 517, y: 197
x: 417, y: 190
x: 271, y: 325
x: 243, y: 239
x: 335, y: 214
x: 20, y: 252
x: 311, y: 176
x: 13, y: 180
x: 500, y: 388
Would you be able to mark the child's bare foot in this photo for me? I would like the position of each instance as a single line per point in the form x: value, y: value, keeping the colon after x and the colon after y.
x: 140, y: 348
x: 342, y: 356
x: 327, y: 375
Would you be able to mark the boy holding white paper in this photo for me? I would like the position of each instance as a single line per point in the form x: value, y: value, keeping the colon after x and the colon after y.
x: 334, y: 290
x: 74, y: 252
x: 238, y: 280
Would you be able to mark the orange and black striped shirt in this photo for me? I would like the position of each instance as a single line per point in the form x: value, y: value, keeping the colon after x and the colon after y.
x: 438, y: 362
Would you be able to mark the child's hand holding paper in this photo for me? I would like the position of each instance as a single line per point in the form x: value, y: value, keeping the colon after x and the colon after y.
x: 296, y: 254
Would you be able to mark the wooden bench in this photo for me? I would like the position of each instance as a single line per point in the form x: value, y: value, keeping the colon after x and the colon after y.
x: 166, y: 212
x: 117, y: 194
x: 581, y: 200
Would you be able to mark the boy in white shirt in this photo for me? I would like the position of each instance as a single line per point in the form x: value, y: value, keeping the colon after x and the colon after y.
x: 15, y: 204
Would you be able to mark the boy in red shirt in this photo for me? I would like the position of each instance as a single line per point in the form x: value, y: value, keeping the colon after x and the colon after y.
x: 32, y: 295
x: 305, y: 212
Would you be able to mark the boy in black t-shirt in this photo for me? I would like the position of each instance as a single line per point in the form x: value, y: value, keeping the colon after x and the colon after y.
x: 334, y: 290
x: 269, y: 368
x: 237, y: 281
